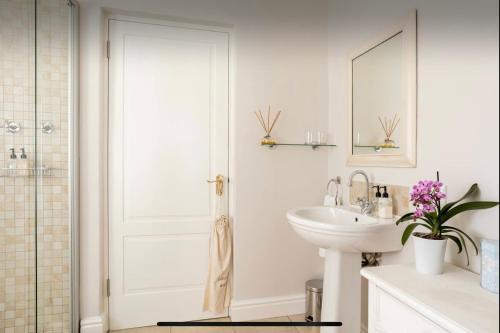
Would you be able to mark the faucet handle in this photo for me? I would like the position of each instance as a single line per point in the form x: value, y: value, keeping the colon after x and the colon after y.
x: 360, y: 201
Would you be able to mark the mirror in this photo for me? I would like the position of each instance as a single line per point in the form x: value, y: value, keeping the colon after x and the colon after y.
x: 382, y: 99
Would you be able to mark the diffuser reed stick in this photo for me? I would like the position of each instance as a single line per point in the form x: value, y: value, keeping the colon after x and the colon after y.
x: 389, y: 126
x: 267, y: 125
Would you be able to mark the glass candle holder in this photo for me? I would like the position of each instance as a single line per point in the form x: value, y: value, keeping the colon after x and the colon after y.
x: 320, y: 137
x: 309, y: 138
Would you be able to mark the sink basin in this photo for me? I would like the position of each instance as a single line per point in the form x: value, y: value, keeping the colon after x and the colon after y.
x: 344, y: 233
x: 345, y: 229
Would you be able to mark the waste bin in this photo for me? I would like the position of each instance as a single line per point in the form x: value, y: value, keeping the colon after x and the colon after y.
x: 314, y: 295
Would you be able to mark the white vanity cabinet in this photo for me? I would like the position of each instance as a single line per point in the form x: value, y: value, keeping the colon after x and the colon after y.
x: 402, y: 300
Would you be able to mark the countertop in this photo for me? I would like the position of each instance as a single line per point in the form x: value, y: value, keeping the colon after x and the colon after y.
x: 454, y: 300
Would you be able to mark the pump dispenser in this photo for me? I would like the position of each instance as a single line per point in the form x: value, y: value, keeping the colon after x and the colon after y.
x: 12, y: 162
x: 385, y: 205
x: 23, y: 164
x: 378, y: 195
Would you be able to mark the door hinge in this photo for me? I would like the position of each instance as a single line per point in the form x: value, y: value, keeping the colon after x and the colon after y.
x: 107, y: 49
x: 108, y: 287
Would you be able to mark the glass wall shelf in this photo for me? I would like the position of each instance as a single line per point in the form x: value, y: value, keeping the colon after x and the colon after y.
x: 376, y: 148
x: 361, y: 146
x: 31, y: 172
x: 312, y: 145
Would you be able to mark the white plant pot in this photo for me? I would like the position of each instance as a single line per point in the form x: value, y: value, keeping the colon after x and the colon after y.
x: 429, y: 255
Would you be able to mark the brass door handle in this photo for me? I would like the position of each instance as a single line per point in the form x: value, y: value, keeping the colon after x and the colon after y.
x: 219, y: 184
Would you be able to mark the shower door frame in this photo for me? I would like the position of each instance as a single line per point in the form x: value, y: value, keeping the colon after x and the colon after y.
x: 73, y: 163
x: 73, y: 106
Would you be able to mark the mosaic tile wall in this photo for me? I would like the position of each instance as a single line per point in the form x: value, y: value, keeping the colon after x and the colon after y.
x: 19, y: 271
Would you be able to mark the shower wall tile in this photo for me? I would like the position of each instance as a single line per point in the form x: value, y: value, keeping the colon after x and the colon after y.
x: 17, y: 194
x: 17, y: 289
x: 53, y: 215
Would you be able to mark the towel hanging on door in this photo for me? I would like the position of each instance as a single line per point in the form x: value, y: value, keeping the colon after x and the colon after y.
x: 218, y: 288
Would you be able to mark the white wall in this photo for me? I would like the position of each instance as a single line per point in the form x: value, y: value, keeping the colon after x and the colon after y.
x: 457, y: 98
x: 92, y: 168
x: 280, y: 53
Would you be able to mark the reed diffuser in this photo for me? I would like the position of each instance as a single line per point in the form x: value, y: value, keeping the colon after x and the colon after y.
x: 267, y: 125
x: 389, y: 126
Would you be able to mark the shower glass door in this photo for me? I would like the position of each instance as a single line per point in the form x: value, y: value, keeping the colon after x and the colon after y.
x: 17, y: 191
x: 37, y: 263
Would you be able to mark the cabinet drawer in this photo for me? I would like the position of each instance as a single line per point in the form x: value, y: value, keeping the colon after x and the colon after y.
x: 389, y: 315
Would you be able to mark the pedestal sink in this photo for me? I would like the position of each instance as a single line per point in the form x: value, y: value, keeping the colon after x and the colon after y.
x: 344, y: 233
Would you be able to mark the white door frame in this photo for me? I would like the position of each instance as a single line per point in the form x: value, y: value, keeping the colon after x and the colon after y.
x: 179, y: 23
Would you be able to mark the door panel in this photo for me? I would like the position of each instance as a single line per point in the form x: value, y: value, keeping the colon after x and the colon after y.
x: 147, y: 276
x: 168, y: 134
x: 175, y: 130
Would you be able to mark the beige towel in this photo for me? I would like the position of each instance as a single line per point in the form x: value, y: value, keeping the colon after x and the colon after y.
x: 219, y: 282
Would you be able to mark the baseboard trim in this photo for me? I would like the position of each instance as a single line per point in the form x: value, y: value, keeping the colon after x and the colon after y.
x: 268, y: 307
x: 95, y: 324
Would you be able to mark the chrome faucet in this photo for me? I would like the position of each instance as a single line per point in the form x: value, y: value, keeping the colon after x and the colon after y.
x: 365, y: 203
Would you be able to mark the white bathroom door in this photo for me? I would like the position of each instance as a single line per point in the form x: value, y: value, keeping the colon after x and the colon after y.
x: 168, y: 134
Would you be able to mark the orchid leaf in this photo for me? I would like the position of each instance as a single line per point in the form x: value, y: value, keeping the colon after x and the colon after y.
x: 456, y: 240
x: 409, y: 230
x: 460, y: 232
x: 463, y: 242
x: 428, y: 221
x: 473, y: 205
x: 404, y: 218
x: 431, y: 216
x: 473, y: 189
x: 431, y: 219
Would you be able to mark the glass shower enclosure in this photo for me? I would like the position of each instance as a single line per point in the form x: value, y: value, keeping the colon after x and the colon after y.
x: 38, y: 257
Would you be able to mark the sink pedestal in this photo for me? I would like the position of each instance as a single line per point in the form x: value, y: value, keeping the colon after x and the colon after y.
x: 345, y: 234
x: 342, y: 291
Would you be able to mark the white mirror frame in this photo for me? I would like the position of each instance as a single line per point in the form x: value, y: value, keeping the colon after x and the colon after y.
x: 408, y: 28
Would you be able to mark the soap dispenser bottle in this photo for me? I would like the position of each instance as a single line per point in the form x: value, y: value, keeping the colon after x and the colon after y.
x: 385, y: 205
x: 23, y: 164
x: 12, y: 166
x: 378, y: 195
